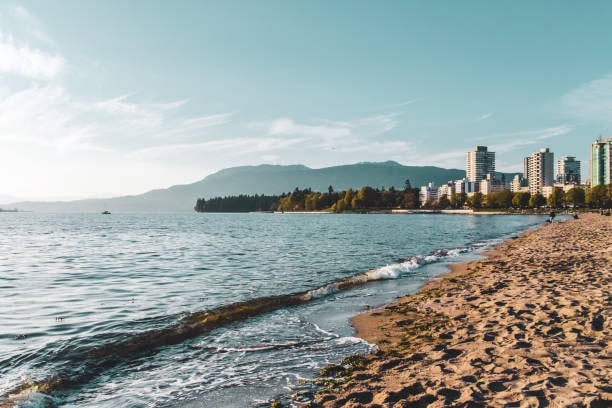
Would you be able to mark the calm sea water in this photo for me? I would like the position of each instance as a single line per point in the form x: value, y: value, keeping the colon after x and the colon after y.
x: 205, y: 310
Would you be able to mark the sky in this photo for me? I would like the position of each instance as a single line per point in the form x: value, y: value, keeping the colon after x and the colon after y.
x: 108, y: 98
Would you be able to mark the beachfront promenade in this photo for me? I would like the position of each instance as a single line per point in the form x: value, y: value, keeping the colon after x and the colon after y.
x: 527, y: 326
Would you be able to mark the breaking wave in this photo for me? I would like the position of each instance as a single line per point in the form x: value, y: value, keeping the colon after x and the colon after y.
x: 83, y: 362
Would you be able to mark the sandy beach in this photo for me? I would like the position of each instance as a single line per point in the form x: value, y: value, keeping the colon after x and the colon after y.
x: 527, y: 326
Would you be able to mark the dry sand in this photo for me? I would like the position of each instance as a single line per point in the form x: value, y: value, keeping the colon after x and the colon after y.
x: 528, y: 326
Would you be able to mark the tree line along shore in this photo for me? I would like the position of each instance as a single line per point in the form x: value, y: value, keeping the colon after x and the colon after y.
x: 369, y: 198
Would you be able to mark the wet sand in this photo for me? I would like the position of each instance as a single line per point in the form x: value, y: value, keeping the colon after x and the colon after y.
x: 527, y: 326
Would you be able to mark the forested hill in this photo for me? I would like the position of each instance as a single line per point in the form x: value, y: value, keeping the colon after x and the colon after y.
x: 262, y: 179
x: 273, y: 179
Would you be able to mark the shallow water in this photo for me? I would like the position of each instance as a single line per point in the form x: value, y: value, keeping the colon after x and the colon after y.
x: 139, y: 310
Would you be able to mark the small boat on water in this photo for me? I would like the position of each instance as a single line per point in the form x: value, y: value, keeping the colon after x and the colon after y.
x: 106, y: 212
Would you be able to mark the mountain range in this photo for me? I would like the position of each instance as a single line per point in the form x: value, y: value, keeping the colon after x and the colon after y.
x: 262, y: 179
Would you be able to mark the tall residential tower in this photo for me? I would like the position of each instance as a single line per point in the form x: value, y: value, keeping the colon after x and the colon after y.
x: 568, y: 170
x: 479, y: 163
x: 601, y: 161
x: 539, y: 170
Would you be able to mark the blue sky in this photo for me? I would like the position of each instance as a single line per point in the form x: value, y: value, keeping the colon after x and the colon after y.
x: 120, y: 97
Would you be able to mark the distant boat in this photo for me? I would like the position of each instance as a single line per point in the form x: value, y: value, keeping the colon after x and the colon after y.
x: 106, y: 212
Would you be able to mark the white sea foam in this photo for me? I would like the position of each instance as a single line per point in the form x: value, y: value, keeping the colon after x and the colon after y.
x: 350, y: 340
x: 320, y: 330
x: 391, y: 271
x: 386, y: 272
x: 322, y: 291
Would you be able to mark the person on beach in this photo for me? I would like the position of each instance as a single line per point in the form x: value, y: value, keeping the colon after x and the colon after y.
x: 552, y: 216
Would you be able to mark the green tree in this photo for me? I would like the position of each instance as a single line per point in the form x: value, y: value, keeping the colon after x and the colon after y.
x: 537, y: 200
x: 475, y: 200
x: 457, y: 200
x: 555, y: 200
x: 410, y: 198
x: 499, y: 199
x: 520, y: 199
x: 574, y: 197
x: 599, y: 196
x: 389, y: 198
x: 429, y: 203
x: 505, y: 199
x: 200, y: 204
x: 444, y: 202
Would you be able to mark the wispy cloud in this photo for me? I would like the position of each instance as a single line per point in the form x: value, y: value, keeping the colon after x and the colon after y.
x: 49, y: 116
x: 510, y: 141
x: 483, y: 117
x: 232, y: 147
x: 520, y: 139
x: 446, y: 159
x: 289, y: 127
x: 285, y: 137
x: 394, y: 106
x: 590, y: 102
x: 202, y: 122
x: 358, y: 137
x: 23, y: 60
x: 330, y: 129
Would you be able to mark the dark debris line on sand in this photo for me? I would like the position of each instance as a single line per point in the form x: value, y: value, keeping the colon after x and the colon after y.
x: 528, y: 326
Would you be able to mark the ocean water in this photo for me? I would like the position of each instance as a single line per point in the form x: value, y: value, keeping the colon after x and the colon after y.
x: 205, y: 310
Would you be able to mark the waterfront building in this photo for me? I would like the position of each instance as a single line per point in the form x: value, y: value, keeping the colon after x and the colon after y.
x: 428, y: 193
x: 479, y: 163
x: 539, y: 169
x: 568, y: 170
x: 465, y: 186
x: 490, y: 184
x: 518, y: 183
x: 601, y: 162
x: 447, y: 190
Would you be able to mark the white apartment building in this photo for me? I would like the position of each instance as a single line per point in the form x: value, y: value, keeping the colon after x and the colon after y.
x: 518, y: 183
x: 490, y: 184
x: 539, y: 169
x: 446, y: 190
x: 465, y: 186
x: 428, y: 192
x: 479, y: 163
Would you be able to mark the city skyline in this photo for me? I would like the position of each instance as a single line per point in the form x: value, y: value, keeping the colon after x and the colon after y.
x: 108, y: 99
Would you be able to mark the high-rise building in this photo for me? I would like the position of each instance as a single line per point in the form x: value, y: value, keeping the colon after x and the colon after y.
x: 601, y: 161
x: 568, y: 170
x: 479, y: 163
x: 539, y: 170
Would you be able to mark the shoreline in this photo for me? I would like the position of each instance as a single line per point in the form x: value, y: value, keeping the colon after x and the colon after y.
x: 528, y: 325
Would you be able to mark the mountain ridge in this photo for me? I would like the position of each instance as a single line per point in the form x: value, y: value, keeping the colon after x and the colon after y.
x: 257, y: 179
